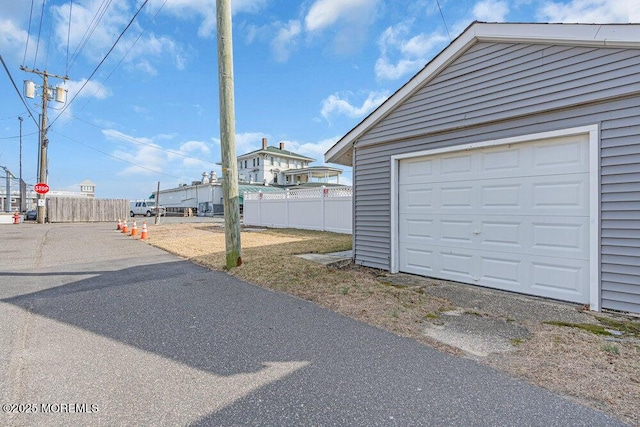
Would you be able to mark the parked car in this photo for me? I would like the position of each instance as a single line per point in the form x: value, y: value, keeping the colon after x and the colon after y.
x: 31, y: 215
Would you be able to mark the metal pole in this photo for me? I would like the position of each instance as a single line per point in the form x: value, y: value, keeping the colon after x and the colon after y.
x: 231, y: 199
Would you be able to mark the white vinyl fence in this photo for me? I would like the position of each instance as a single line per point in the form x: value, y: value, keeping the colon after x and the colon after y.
x: 324, y: 209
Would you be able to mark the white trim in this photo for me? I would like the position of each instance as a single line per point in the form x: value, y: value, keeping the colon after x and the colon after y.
x: 598, y: 35
x: 594, y: 194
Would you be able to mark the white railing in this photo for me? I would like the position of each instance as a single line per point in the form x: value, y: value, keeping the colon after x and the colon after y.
x: 324, y: 209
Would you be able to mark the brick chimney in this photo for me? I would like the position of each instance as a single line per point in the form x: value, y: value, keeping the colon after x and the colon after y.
x: 282, y: 145
x: 264, y: 143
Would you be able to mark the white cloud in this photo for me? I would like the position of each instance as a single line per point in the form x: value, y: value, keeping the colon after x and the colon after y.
x: 147, y: 157
x: 250, y: 141
x: 401, y: 54
x: 91, y: 89
x: 324, y: 13
x: 206, y: 10
x: 588, y: 11
x: 335, y: 104
x: 350, y: 20
x: 11, y: 36
x: 284, y: 41
x: 491, y: 10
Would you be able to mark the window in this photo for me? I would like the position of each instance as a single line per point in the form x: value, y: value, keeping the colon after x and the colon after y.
x: 258, y: 161
x: 245, y: 163
x: 272, y: 162
x: 254, y: 162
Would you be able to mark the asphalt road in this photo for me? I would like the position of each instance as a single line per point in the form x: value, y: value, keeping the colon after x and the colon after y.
x: 100, y: 329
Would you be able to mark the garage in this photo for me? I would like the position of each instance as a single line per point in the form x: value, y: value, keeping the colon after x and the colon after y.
x: 512, y: 217
x: 510, y: 161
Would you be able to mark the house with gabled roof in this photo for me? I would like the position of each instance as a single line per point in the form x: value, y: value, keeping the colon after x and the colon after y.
x: 510, y: 161
x: 276, y: 166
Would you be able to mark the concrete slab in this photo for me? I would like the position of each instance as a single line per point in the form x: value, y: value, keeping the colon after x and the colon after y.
x: 333, y: 260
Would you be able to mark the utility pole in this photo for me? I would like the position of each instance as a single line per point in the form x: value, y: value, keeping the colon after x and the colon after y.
x: 231, y: 200
x: 44, y: 142
x: 23, y: 206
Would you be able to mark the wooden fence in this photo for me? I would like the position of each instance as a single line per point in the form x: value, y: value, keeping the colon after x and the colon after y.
x: 86, y: 209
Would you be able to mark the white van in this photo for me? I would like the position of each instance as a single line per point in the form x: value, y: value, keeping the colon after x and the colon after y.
x: 146, y: 208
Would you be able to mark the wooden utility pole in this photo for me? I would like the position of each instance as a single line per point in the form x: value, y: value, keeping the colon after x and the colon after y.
x: 231, y: 199
x: 47, y: 92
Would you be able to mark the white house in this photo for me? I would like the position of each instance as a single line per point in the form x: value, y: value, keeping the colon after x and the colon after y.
x: 277, y: 166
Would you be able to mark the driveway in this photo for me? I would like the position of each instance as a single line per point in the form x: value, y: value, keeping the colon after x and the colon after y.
x: 100, y: 329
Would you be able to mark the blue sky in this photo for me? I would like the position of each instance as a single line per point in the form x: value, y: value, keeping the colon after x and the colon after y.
x: 306, y: 72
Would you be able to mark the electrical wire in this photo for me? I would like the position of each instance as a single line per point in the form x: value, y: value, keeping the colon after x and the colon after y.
x: 118, y: 135
x: 18, y: 91
x: 66, y: 70
x: 123, y: 56
x: 35, y: 59
x: 26, y: 46
x: 116, y: 157
x: 444, y: 21
x: 89, y: 31
x: 101, y: 62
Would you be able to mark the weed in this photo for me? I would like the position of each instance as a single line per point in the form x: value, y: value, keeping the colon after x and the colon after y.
x: 395, y: 313
x: 446, y: 308
x: 516, y: 341
x: 611, y: 348
x: 345, y: 290
x: 432, y: 316
x: 627, y: 326
x: 594, y: 329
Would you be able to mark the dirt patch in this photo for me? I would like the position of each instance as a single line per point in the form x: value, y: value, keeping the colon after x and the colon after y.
x: 601, y: 371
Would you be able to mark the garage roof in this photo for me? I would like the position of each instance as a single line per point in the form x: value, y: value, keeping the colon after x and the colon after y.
x: 602, y: 35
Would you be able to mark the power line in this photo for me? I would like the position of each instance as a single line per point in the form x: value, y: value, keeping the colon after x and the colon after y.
x: 116, y: 157
x: 125, y: 55
x: 90, y: 30
x: 26, y: 46
x: 35, y: 59
x: 66, y: 70
x: 118, y: 135
x: 443, y: 20
x: 17, y: 90
x: 101, y: 62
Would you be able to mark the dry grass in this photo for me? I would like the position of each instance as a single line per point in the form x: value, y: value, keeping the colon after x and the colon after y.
x: 599, y: 373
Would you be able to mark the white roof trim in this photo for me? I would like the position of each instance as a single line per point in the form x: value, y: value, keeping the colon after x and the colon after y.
x: 604, y: 35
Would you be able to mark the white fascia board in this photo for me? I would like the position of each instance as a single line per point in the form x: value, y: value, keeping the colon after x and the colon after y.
x: 443, y: 59
x: 604, y: 35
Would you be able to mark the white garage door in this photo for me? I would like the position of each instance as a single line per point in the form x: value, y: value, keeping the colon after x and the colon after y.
x: 512, y: 217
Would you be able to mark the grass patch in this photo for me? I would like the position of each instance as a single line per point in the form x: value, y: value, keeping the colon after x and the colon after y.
x: 516, y: 341
x: 611, y: 348
x: 594, y: 329
x: 626, y: 326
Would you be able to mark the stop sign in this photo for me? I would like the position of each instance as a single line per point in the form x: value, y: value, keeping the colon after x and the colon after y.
x: 41, y: 188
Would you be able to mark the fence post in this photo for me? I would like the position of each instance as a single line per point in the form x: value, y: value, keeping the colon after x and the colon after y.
x: 286, y: 205
x: 325, y: 193
x: 260, y: 209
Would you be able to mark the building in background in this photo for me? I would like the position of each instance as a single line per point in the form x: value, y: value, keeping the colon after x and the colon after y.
x: 269, y: 169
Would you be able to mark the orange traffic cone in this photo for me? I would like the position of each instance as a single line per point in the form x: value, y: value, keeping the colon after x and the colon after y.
x: 125, y: 228
x: 119, y: 227
x: 144, y: 233
x: 134, y: 229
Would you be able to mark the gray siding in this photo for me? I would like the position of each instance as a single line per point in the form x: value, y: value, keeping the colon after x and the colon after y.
x: 497, y: 91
